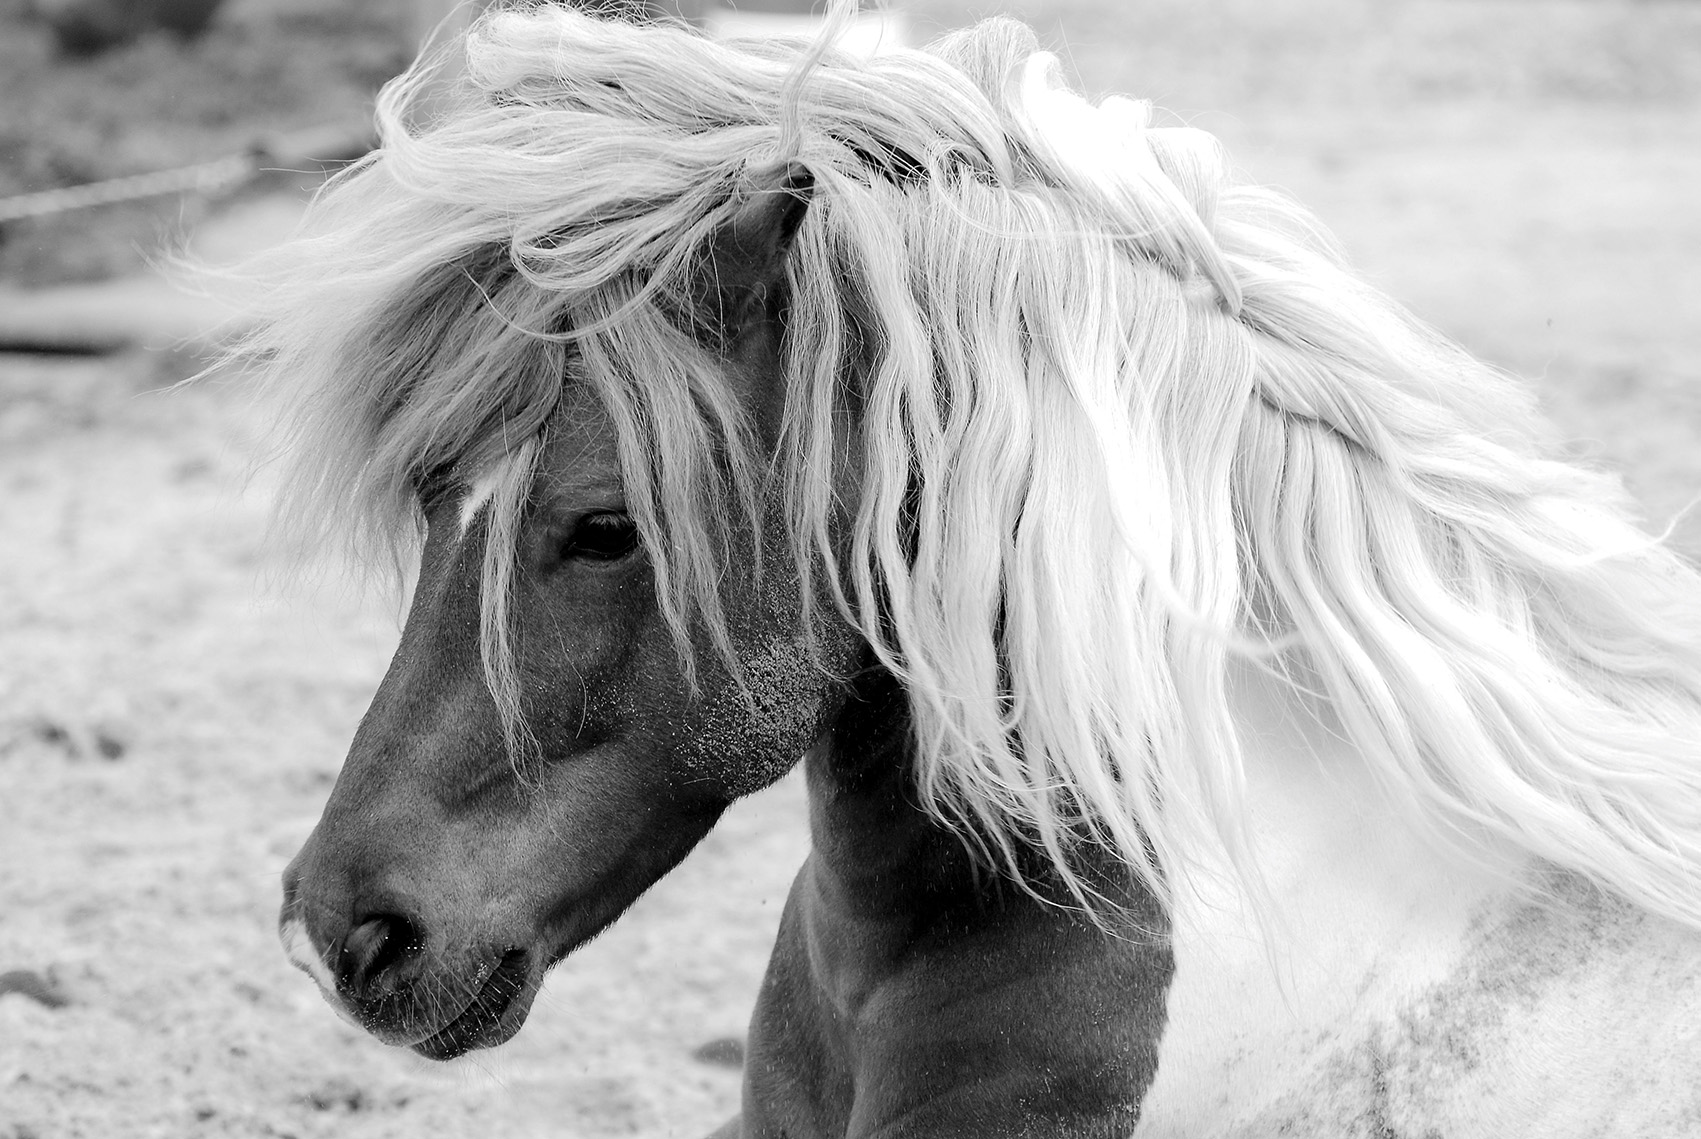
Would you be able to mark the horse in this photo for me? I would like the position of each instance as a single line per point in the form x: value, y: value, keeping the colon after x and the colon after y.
x: 1222, y: 714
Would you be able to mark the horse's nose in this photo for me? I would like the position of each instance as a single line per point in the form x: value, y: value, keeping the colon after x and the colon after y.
x: 363, y: 952
x: 378, y: 956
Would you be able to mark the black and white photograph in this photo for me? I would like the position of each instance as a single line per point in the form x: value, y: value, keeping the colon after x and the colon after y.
x: 840, y: 569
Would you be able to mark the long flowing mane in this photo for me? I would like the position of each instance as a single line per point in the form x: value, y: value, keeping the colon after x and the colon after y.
x: 1117, y: 418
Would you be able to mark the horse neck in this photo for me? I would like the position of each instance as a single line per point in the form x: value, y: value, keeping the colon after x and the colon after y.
x: 879, y: 859
x: 913, y: 987
x: 1326, y: 840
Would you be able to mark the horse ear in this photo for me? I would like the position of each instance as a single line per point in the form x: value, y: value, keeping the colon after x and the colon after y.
x: 742, y: 279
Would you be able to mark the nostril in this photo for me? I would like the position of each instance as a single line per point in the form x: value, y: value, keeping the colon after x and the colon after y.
x: 374, y: 955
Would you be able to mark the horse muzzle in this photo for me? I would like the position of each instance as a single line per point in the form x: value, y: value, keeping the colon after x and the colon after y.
x: 380, y: 976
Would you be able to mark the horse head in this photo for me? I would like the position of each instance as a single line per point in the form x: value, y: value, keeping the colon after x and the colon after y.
x: 456, y: 860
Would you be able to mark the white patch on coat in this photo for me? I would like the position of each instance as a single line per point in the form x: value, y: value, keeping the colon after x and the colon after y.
x: 298, y: 947
x: 480, y: 494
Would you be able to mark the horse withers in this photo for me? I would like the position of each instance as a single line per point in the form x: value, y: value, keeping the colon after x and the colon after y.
x: 1219, y: 716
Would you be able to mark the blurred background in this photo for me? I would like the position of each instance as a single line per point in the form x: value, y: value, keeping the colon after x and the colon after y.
x: 1525, y: 174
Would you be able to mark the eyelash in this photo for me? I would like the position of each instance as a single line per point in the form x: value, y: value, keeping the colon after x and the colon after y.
x: 604, y: 537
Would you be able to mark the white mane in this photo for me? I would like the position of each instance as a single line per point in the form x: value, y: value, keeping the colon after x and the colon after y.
x: 1118, y: 418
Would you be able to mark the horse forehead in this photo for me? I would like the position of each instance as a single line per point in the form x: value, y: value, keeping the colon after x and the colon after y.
x: 581, y: 430
x: 580, y: 461
x: 578, y: 467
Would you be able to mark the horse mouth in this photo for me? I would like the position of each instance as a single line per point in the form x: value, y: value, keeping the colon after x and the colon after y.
x: 485, y: 1022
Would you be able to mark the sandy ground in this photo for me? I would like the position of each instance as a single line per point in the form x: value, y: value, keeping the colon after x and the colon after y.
x: 172, y: 714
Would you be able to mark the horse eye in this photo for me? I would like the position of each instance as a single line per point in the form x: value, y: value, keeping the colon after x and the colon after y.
x: 602, y: 537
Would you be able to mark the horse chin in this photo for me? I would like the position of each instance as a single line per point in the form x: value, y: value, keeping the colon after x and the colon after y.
x: 499, y: 1008
x: 496, y: 1012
